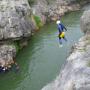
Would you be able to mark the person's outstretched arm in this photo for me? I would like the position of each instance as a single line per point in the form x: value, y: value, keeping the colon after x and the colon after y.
x: 64, y: 27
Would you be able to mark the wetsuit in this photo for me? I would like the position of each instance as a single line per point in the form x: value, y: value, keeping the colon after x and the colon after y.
x: 61, y: 29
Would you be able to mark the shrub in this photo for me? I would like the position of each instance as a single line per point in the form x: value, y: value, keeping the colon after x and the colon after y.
x: 16, y: 44
x: 38, y: 21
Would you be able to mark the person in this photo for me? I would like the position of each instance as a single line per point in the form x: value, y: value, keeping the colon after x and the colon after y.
x: 61, y: 34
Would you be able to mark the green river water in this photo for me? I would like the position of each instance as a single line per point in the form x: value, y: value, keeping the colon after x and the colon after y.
x: 41, y: 60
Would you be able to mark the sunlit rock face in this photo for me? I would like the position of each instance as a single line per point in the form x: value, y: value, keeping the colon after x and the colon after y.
x: 15, y: 24
x: 75, y: 74
x: 53, y: 9
x: 40, y: 8
x: 14, y: 19
x: 85, y: 22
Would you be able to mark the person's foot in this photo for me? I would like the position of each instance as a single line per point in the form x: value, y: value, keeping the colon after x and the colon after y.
x: 60, y: 45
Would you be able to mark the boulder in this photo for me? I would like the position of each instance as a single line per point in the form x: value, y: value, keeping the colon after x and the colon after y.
x: 85, y: 22
x: 14, y: 19
x: 7, y: 53
x: 15, y: 24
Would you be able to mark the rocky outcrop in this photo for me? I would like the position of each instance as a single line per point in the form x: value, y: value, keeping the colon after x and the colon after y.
x: 14, y: 19
x: 61, y: 7
x: 51, y: 10
x: 15, y: 24
x: 85, y: 22
x: 41, y: 9
x: 7, y: 53
x: 76, y: 72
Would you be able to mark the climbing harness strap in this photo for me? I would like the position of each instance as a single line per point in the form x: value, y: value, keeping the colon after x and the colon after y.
x: 62, y: 35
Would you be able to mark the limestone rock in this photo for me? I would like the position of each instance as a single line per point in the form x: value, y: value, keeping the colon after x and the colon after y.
x: 41, y: 9
x: 52, y: 9
x: 85, y: 22
x: 14, y: 19
x: 15, y: 24
x: 7, y: 53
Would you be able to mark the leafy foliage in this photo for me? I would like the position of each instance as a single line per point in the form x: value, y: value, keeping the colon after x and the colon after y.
x: 38, y: 21
x: 16, y: 44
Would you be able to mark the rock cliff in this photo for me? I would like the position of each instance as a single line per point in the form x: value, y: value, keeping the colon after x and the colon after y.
x: 14, y: 19
x: 15, y: 24
x: 76, y: 72
x: 51, y: 10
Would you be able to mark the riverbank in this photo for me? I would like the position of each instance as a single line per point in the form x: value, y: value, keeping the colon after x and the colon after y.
x: 76, y: 71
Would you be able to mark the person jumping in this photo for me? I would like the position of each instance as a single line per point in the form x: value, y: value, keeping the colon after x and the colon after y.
x: 61, y: 29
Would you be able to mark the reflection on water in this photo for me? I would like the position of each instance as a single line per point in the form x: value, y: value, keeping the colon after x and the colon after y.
x: 41, y: 60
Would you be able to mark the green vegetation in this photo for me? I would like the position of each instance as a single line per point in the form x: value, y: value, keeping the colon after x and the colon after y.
x: 38, y: 21
x: 31, y: 2
x: 50, y: 1
x: 16, y: 44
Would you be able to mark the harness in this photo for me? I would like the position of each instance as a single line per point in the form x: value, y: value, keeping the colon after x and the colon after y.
x: 62, y: 35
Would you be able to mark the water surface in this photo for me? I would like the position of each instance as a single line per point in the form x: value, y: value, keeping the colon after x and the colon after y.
x: 40, y: 62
